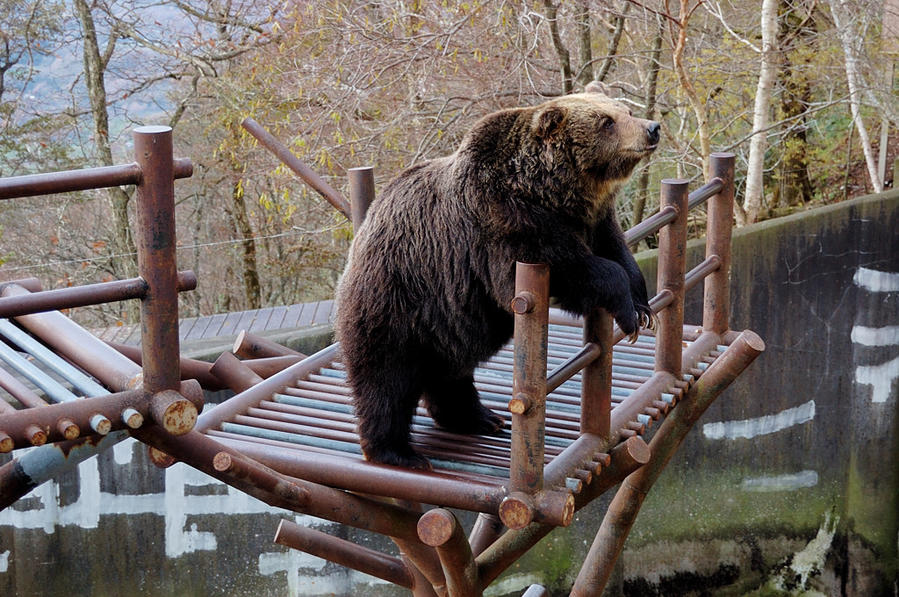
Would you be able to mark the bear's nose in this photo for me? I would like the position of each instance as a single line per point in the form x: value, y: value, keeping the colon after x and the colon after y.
x: 652, y: 132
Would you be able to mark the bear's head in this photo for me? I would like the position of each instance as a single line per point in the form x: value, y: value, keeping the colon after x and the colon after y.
x: 599, y: 133
x: 592, y: 137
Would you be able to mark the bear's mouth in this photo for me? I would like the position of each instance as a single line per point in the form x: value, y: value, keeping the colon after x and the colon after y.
x: 645, y: 150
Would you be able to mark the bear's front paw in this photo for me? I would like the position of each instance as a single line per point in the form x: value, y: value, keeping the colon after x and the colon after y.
x: 648, y: 319
x: 406, y: 458
x: 627, y: 318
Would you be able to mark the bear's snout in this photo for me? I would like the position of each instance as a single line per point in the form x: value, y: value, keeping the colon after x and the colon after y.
x: 652, y: 132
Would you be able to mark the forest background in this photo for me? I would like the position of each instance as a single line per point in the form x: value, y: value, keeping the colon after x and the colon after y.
x: 802, y: 91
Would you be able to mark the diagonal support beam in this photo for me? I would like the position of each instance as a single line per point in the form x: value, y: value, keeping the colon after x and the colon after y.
x: 626, y: 504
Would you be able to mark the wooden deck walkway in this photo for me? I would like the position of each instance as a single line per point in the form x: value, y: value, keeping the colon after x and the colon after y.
x: 229, y: 324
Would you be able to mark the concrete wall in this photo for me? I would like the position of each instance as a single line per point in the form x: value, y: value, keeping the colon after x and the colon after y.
x: 790, y: 478
x: 795, y: 467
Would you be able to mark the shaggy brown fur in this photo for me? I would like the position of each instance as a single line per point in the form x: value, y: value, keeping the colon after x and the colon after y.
x: 425, y: 295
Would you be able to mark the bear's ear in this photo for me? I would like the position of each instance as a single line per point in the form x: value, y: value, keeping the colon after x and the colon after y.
x: 598, y: 88
x: 550, y: 121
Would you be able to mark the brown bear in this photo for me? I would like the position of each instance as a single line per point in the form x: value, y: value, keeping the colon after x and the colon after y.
x: 427, y: 288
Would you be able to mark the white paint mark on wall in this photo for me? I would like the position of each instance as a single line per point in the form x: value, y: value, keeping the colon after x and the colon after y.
x: 749, y: 428
x: 174, y: 505
x: 885, y: 336
x: 876, y: 281
x: 789, y: 482
x: 4, y: 561
x: 290, y: 561
x: 879, y: 377
x: 123, y: 451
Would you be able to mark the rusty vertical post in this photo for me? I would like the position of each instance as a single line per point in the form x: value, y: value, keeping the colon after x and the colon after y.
x: 672, y: 265
x: 362, y: 193
x: 531, y: 308
x: 716, y: 303
x: 156, y: 257
x: 623, y: 510
x: 596, y: 378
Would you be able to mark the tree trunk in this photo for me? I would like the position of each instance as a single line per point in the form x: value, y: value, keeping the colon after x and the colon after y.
x: 755, y: 172
x: 613, y: 44
x: 241, y: 222
x: 850, y: 40
x: 585, y: 44
x: 794, y: 186
x: 698, y: 106
x: 552, y: 15
x: 654, y: 66
x: 125, y: 264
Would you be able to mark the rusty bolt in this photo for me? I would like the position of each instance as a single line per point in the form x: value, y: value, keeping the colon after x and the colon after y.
x: 132, y: 418
x: 222, y: 462
x: 35, y: 435
x: 100, y: 424
x: 6, y: 443
x: 68, y: 429
x: 520, y: 403
x: 524, y: 302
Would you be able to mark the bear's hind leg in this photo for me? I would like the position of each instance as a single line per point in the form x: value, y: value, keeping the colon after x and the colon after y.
x: 455, y: 406
x: 386, y: 398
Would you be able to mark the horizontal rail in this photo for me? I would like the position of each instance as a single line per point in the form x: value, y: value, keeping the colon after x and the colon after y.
x: 667, y: 214
x: 586, y: 355
x: 81, y: 296
x: 344, y: 553
x: 32, y: 185
x: 590, y: 352
x: 299, y: 168
x: 123, y: 410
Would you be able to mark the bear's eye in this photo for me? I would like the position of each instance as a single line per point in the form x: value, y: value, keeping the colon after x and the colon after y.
x: 607, y: 123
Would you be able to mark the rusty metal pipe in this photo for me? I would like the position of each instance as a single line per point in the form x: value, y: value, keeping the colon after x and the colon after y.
x: 502, y: 553
x: 376, y: 479
x: 440, y: 529
x: 628, y: 410
x: 362, y: 192
x: 33, y: 185
x: 190, y: 368
x: 622, y: 512
x: 80, y: 296
x: 233, y: 373
x: 268, y: 366
x: 596, y: 379
x: 716, y: 296
x: 299, y: 168
x: 251, y: 346
x: 264, y: 390
x: 156, y: 262
x: 342, y: 552
x: 200, y: 452
x: 565, y: 371
x: 672, y: 265
x: 530, y: 306
x: 78, y: 345
x: 487, y: 528
x: 29, y: 284
x: 81, y: 412
x: 666, y: 214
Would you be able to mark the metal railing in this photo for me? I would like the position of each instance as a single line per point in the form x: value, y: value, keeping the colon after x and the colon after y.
x: 153, y: 391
